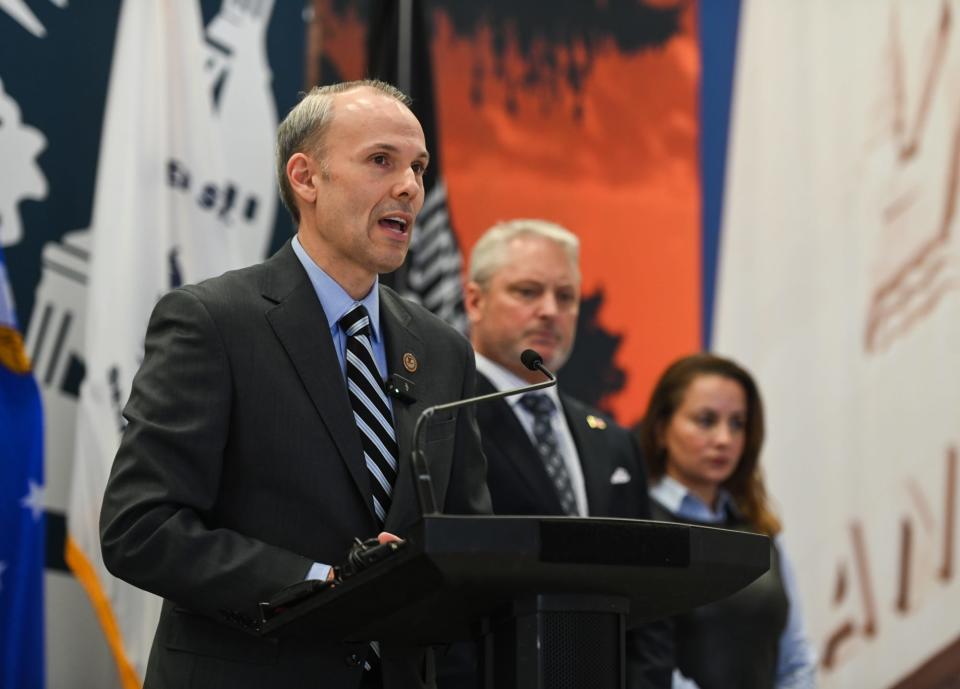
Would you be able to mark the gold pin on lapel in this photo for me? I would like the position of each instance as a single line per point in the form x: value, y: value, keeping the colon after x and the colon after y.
x: 596, y: 422
x: 410, y: 362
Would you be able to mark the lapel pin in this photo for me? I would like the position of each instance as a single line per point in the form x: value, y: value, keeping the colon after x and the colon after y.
x: 410, y: 362
x: 596, y: 422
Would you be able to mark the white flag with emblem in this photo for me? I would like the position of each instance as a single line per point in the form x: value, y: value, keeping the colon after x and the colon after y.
x: 177, y: 200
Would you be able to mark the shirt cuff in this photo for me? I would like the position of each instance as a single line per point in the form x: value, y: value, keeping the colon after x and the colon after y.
x: 318, y: 571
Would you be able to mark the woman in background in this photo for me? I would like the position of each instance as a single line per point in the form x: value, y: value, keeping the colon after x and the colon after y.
x: 701, y: 439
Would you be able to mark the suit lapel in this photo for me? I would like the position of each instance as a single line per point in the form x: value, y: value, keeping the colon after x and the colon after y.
x: 405, y: 350
x: 300, y: 324
x: 515, y: 445
x: 590, y: 448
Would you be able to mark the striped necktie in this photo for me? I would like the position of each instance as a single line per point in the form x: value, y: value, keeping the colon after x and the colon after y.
x: 371, y: 409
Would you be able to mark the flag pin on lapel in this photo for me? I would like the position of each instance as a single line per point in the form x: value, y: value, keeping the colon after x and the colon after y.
x: 410, y: 362
x: 596, y: 422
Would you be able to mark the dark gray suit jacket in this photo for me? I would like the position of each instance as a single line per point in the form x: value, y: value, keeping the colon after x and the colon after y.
x: 241, y: 465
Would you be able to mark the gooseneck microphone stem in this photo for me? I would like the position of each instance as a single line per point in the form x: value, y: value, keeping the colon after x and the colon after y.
x: 428, y: 501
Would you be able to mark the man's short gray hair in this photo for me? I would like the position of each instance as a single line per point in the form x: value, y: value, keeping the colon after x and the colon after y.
x: 304, y: 127
x: 490, y: 253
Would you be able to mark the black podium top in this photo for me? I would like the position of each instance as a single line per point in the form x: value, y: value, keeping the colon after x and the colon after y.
x: 456, y: 571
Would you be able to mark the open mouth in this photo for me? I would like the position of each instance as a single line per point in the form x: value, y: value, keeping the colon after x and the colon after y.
x: 395, y: 223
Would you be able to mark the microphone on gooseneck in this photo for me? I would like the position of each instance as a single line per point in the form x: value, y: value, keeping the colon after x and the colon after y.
x: 532, y: 360
x: 428, y: 502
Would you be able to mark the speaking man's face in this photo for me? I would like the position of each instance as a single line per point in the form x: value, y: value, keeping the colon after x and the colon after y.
x: 369, y: 185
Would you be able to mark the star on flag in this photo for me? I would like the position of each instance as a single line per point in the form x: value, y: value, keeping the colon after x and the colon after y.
x: 33, y: 500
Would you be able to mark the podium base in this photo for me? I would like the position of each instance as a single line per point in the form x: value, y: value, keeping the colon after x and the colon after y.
x: 556, y: 641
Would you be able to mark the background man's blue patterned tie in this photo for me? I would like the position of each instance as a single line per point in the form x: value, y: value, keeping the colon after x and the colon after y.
x: 542, y: 408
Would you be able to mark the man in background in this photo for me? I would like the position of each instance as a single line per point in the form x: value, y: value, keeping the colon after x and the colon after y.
x: 547, y: 452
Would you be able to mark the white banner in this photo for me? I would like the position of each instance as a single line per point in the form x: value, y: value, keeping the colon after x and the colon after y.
x: 184, y: 191
x: 838, y: 288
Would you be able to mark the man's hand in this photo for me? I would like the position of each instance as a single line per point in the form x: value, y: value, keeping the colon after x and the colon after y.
x: 387, y: 537
x: 382, y: 537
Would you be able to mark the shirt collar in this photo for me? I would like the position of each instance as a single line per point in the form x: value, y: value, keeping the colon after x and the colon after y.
x: 678, y: 500
x: 333, y: 298
x: 504, y: 379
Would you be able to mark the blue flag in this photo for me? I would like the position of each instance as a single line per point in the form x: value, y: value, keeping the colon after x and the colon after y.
x: 21, y: 507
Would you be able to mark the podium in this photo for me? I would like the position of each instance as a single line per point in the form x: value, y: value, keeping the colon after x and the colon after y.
x: 552, y: 596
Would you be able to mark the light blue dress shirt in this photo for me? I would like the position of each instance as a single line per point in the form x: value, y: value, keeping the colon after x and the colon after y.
x: 336, y: 303
x: 796, y: 660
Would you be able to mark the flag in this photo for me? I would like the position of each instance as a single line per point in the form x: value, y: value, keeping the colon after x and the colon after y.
x: 399, y: 53
x: 165, y: 213
x: 21, y: 508
x: 839, y: 286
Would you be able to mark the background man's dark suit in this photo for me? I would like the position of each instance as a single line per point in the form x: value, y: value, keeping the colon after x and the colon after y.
x: 615, y: 483
x: 242, y: 465
x: 518, y: 480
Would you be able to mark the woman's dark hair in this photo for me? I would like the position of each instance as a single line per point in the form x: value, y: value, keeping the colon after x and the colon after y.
x: 745, y: 485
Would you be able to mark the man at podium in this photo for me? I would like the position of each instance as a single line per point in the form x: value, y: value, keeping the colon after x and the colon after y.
x: 260, y: 440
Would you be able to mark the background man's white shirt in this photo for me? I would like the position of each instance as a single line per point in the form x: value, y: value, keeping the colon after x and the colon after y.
x: 502, y: 379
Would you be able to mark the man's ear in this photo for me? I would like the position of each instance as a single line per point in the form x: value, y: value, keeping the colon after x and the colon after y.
x: 301, y: 173
x: 472, y: 300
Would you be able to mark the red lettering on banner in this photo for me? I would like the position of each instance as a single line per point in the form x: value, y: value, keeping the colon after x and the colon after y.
x: 926, y: 559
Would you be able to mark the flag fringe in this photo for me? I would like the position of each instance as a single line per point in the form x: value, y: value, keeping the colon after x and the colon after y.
x: 85, y: 574
x: 12, y: 354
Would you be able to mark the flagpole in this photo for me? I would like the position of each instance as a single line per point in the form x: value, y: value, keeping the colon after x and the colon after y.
x: 314, y: 53
x: 404, y: 45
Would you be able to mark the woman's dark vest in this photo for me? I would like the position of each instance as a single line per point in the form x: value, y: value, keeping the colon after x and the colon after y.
x: 732, y: 642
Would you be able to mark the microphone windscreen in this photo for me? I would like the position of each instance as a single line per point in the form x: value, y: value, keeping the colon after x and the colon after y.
x: 531, y: 359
